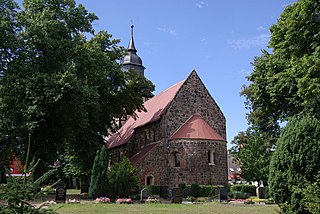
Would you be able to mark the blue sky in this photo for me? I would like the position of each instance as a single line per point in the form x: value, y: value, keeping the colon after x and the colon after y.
x: 219, y: 39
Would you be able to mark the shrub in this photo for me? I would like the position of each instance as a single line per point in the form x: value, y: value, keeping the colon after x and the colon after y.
x: 209, y: 190
x: 182, y: 186
x: 123, y: 178
x: 295, y: 162
x: 153, y: 190
x: 244, y: 188
x: 195, y: 190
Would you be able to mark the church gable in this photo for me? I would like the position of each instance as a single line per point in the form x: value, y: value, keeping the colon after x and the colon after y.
x: 193, y: 98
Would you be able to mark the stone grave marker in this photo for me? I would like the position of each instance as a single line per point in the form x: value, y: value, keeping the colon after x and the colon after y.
x: 144, y: 194
x: 84, y: 188
x: 186, y: 192
x: 176, y: 195
x: 261, y: 192
x: 223, y: 194
x: 61, y: 194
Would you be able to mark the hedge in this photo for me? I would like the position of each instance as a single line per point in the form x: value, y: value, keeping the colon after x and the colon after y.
x: 244, y: 188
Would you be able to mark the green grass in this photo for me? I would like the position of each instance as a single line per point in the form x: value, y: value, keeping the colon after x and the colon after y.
x: 211, y: 207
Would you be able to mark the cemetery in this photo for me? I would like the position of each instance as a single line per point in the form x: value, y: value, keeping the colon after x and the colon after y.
x: 84, y: 130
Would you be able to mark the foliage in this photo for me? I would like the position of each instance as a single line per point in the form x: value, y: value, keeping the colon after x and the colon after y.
x: 195, y: 190
x: 19, y: 190
x: 244, y: 188
x: 64, y: 88
x: 153, y: 190
x: 287, y: 82
x: 99, y: 182
x: 182, y: 186
x: 252, y: 149
x: 295, y: 161
x: 311, y: 195
x: 209, y: 190
x: 123, y: 178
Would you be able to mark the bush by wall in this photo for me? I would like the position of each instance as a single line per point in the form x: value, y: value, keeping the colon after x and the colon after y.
x: 244, y: 188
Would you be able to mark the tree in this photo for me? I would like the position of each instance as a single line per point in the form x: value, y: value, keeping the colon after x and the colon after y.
x: 19, y: 191
x: 123, y: 178
x: 61, y: 88
x: 99, y: 183
x: 253, y: 150
x: 295, y: 162
x: 287, y: 82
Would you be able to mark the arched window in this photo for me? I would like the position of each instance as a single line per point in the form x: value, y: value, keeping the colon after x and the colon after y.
x: 211, y: 157
x: 149, y: 180
x: 177, y: 159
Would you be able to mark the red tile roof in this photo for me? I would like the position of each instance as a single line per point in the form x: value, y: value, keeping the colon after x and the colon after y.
x: 196, y: 128
x: 155, y: 108
x: 134, y: 159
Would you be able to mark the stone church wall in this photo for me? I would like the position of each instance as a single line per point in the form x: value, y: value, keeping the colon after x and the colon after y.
x: 193, y: 98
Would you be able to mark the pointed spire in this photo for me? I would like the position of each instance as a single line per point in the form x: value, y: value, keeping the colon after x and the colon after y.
x: 131, y: 47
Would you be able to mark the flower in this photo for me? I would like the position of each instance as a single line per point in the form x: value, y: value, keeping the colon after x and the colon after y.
x: 124, y: 201
x: 72, y: 201
x: 102, y: 200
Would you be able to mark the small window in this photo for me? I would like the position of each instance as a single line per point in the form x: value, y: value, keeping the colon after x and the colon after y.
x: 177, y: 159
x: 211, y: 157
x: 149, y: 180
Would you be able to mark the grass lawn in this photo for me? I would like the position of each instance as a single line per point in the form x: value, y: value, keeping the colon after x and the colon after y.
x: 210, y: 207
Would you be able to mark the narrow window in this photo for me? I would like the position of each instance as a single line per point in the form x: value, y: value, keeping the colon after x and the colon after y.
x: 177, y: 159
x: 211, y: 157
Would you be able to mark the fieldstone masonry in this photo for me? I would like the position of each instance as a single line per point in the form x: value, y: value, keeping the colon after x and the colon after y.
x: 192, y: 98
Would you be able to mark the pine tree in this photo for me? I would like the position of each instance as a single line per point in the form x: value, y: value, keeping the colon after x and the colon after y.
x: 99, y: 175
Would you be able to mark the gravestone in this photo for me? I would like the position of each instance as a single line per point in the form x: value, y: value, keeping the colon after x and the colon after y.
x: 261, y: 192
x: 61, y: 194
x: 186, y: 192
x: 223, y: 194
x: 143, y: 194
x: 176, y: 195
x: 164, y: 191
x: 84, y: 188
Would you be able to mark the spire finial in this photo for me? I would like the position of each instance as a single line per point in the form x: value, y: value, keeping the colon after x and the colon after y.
x: 131, y: 43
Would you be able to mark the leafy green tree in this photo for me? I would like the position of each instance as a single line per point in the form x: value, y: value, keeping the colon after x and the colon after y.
x: 59, y: 86
x: 253, y: 150
x: 286, y: 82
x: 295, y: 162
x: 99, y: 183
x: 123, y: 178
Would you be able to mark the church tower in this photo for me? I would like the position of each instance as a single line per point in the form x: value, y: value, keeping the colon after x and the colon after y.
x: 132, y: 60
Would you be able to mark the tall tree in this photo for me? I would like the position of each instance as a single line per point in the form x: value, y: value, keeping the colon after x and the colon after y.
x: 252, y: 150
x: 286, y: 82
x: 61, y: 88
x: 295, y: 162
x: 99, y: 182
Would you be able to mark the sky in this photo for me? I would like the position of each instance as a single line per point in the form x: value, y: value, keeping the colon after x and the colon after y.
x: 219, y: 39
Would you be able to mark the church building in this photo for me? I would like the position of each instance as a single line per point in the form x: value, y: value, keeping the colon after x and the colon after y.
x: 181, y: 138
